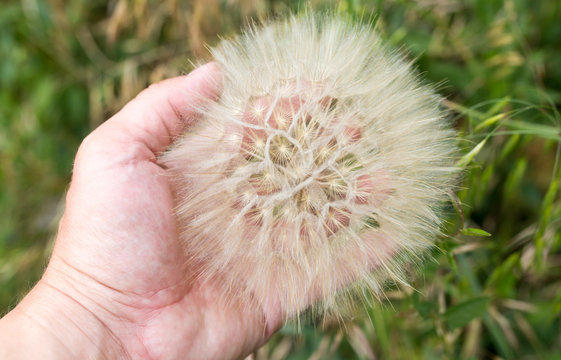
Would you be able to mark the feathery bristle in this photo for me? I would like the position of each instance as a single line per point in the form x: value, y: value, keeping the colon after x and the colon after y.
x: 323, y: 164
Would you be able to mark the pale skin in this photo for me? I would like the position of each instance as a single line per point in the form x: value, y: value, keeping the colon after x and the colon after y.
x: 116, y: 284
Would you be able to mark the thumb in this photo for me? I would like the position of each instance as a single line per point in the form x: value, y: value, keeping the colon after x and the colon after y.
x: 147, y: 125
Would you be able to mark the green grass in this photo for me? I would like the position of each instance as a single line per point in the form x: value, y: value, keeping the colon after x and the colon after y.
x: 65, y: 68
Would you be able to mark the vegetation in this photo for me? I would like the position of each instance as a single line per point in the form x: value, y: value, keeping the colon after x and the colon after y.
x: 491, y: 289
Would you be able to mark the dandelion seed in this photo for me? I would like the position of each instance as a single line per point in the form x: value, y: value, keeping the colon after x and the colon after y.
x: 335, y: 171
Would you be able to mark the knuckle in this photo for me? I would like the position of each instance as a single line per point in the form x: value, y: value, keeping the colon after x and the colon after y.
x: 90, y: 146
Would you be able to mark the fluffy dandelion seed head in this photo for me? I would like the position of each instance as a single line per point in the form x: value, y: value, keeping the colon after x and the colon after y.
x: 321, y: 167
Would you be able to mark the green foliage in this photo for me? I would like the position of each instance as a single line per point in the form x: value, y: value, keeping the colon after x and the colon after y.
x: 474, y: 232
x: 66, y: 67
x: 460, y: 315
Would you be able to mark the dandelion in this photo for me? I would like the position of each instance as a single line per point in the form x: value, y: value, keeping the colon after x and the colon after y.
x: 321, y: 168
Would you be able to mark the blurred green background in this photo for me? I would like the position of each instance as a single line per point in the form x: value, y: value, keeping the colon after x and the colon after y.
x: 66, y: 66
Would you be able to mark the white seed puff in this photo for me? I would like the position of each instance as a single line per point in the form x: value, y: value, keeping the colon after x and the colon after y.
x: 323, y: 166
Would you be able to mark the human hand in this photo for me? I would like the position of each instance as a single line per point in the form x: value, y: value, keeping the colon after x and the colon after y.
x: 117, y: 283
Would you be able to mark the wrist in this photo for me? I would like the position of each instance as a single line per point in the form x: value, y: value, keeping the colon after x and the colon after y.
x: 51, y: 324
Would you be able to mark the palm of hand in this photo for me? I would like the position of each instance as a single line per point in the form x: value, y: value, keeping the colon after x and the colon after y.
x: 118, y: 250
